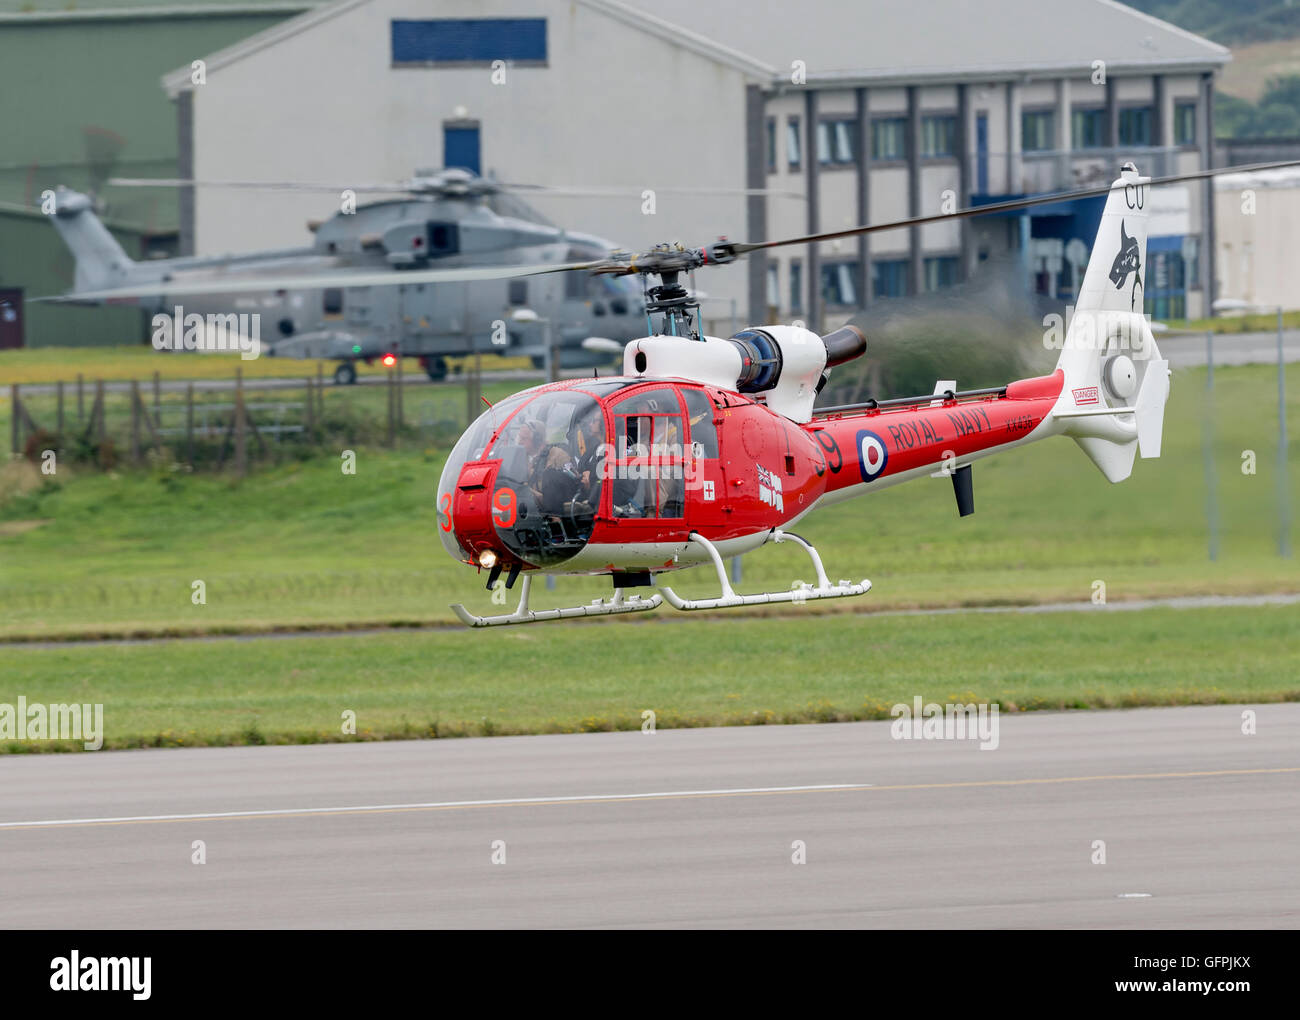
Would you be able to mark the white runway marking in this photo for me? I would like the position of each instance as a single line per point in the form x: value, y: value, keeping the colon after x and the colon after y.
x: 365, y: 808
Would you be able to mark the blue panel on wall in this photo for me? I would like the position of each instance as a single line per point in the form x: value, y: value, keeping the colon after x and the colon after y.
x: 469, y: 40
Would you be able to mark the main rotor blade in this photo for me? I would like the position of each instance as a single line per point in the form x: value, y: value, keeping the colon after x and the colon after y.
x: 630, y: 191
x: 477, y: 186
x: 997, y: 207
x: 398, y: 187
x: 305, y: 281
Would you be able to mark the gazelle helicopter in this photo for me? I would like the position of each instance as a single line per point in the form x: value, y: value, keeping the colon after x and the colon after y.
x: 709, y: 447
x: 332, y: 300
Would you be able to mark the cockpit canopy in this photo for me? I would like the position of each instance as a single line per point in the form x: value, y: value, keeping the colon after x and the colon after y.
x: 532, y: 473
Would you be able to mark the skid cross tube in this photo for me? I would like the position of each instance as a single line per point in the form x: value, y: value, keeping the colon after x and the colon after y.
x: 798, y: 593
x: 522, y: 614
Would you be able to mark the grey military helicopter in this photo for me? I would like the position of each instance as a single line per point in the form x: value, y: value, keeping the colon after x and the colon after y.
x: 344, y: 298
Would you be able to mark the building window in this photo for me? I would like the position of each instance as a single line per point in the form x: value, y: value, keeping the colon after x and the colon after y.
x: 470, y: 42
x: 889, y: 278
x: 836, y: 142
x: 938, y: 136
x: 838, y: 284
x: 889, y: 138
x: 1135, y: 126
x: 940, y: 271
x: 1037, y: 131
x: 1184, y: 123
x: 1088, y: 129
x: 793, y: 148
x: 796, y: 286
x: 773, y: 287
x: 771, y: 145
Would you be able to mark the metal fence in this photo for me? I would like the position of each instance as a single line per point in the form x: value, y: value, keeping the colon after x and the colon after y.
x: 211, y: 425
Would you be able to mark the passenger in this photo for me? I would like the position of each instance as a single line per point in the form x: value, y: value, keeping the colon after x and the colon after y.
x: 591, y: 459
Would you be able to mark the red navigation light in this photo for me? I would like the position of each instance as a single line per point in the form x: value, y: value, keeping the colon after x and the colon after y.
x: 389, y: 360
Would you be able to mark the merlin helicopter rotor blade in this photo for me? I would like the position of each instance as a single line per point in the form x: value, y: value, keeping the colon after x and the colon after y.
x: 304, y: 281
x: 181, y: 182
x: 417, y: 185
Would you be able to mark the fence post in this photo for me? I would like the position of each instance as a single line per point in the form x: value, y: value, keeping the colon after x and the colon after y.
x: 311, y: 409
x: 135, y: 422
x: 241, y: 440
x: 16, y: 414
x: 157, y: 401
x: 320, y: 391
x: 189, y: 425
x: 100, y: 432
x: 401, y: 418
x: 59, y: 389
x: 391, y: 407
x: 81, y: 405
x: 478, y: 385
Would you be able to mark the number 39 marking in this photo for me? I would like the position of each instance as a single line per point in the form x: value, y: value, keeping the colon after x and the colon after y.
x: 504, y: 507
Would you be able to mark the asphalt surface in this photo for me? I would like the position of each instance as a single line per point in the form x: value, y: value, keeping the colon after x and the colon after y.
x: 1188, y: 349
x: 1201, y: 826
x: 665, y: 615
x: 289, y: 382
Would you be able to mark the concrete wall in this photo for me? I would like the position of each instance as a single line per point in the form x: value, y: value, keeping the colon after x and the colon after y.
x: 326, y: 105
x: 1256, y: 248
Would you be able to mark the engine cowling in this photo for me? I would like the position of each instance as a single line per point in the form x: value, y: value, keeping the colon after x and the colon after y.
x: 781, y: 365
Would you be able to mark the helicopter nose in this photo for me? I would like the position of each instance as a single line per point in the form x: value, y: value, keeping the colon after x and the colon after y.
x: 471, y: 513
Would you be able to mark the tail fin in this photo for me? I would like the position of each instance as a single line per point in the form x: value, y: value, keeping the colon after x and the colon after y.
x: 1116, y: 383
x: 101, y: 262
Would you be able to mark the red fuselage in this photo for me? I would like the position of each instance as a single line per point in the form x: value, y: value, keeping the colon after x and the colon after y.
x: 597, y: 476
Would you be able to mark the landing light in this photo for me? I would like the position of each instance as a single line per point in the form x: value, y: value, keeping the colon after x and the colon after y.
x: 487, y: 559
x: 389, y: 360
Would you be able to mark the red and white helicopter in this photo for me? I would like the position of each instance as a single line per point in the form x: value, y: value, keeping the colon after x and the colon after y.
x: 707, y: 447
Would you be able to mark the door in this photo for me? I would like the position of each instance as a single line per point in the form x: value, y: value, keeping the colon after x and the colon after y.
x: 11, y: 317
x: 460, y: 147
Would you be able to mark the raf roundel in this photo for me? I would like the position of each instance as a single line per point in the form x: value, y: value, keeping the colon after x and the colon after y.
x: 872, y: 455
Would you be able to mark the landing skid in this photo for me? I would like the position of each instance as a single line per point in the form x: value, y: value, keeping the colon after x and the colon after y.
x: 598, y: 607
x: 619, y: 603
x: 799, y: 593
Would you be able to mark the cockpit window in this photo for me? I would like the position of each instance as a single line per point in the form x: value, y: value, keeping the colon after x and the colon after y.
x: 648, y: 471
x: 548, y: 486
x: 699, y: 413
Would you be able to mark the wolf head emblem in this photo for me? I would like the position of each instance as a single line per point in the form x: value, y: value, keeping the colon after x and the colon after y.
x: 1127, y: 261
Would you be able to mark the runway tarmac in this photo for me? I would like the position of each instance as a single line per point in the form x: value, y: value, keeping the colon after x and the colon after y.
x: 1201, y: 825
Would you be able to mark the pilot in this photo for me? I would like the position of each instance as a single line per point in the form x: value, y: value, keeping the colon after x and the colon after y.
x: 533, y: 439
x: 591, y: 457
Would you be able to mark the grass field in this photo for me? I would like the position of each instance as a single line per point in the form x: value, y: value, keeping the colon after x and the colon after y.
x: 303, y: 545
x: 603, y: 675
x: 103, y: 554
x: 141, y: 361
